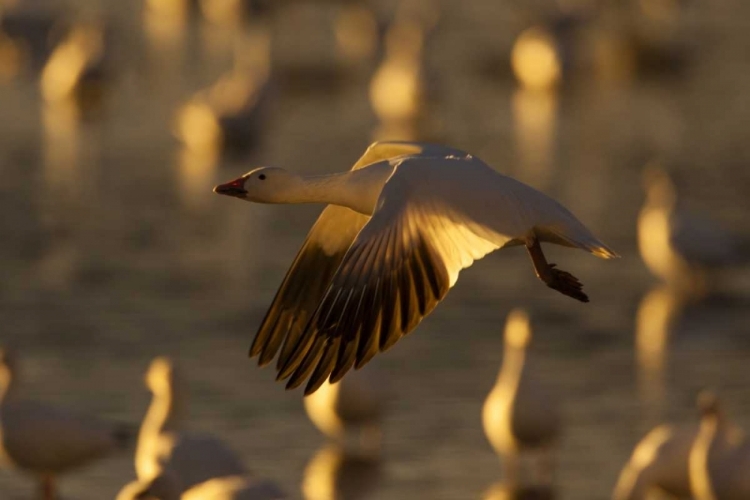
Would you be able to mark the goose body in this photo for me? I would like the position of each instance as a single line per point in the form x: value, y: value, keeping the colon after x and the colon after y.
x: 165, y: 448
x: 659, y: 462
x: 398, y: 229
x: 45, y: 440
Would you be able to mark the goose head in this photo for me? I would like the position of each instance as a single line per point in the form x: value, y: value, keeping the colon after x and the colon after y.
x: 262, y: 185
x: 517, y: 329
x: 161, y: 375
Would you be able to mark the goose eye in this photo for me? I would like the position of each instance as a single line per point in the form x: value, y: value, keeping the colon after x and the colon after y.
x: 262, y: 177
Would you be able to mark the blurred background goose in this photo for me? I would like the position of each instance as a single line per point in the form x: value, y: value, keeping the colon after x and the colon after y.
x: 46, y: 441
x: 76, y: 71
x: 351, y: 411
x: 521, y: 414
x: 659, y: 463
x: 720, y: 456
x: 334, y: 473
x: 166, y: 448
x: 228, y: 116
x: 679, y: 247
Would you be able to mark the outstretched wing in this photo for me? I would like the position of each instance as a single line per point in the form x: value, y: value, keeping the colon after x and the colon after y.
x: 319, y: 258
x: 398, y: 268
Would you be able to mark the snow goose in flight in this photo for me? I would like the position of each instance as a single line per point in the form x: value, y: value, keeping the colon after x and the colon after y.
x: 398, y: 229
x: 47, y: 441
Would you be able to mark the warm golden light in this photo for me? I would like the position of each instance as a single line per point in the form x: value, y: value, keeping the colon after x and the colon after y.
x: 165, y: 22
x: 350, y: 411
x: 197, y: 126
x: 356, y: 32
x: 67, y: 64
x: 196, y: 170
x: 535, y: 124
x: 397, y: 87
x: 11, y: 58
x: 535, y: 60
x: 333, y: 474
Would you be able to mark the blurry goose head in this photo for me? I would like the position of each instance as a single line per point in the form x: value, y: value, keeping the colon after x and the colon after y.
x: 161, y: 376
x: 262, y: 185
x: 517, y: 329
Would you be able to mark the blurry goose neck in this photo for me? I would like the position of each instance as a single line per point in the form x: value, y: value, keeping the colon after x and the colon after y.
x: 513, y: 362
x: 166, y: 412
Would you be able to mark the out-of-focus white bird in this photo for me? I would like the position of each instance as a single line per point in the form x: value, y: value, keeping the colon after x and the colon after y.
x: 350, y: 408
x: 46, y: 441
x: 677, y: 246
x: 536, y: 59
x: 520, y: 414
x: 166, y: 487
x: 163, y: 444
x: 334, y: 473
x: 76, y: 69
x: 659, y: 462
x: 720, y: 456
x: 400, y: 227
x: 228, y: 115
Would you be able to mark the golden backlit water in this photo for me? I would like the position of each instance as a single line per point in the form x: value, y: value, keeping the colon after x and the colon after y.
x: 115, y: 250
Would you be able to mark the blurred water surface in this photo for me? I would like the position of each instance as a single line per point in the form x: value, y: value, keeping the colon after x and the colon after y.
x: 115, y: 250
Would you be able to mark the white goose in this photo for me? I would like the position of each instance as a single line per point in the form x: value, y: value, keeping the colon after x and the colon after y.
x: 351, y: 408
x: 47, y: 441
x: 659, y: 463
x: 399, y: 228
x: 720, y: 456
x: 679, y: 247
x: 163, y: 444
x: 520, y: 414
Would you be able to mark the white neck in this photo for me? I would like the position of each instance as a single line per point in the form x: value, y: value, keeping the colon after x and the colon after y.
x: 513, y: 361
x: 165, y: 413
x: 356, y: 189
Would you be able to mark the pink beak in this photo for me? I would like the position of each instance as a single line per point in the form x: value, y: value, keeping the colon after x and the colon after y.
x: 234, y: 188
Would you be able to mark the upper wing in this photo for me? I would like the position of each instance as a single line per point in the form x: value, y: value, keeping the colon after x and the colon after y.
x: 317, y: 261
x: 401, y: 264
